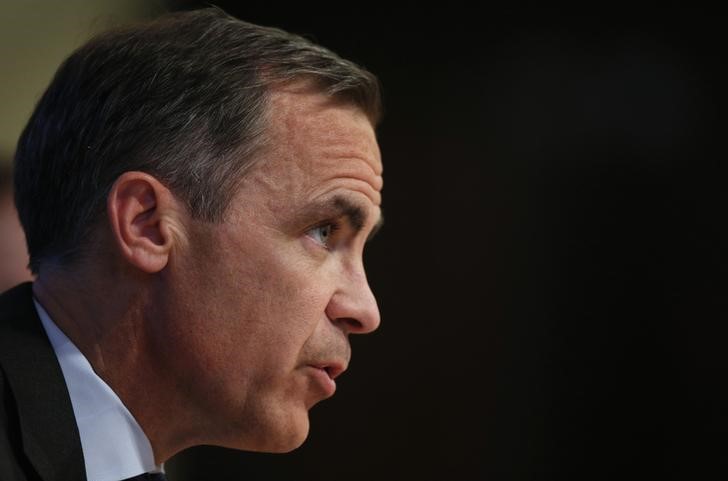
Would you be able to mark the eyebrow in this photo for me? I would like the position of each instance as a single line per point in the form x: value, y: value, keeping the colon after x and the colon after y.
x: 355, y: 215
x: 377, y: 227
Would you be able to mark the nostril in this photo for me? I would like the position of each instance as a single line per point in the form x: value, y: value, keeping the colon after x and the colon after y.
x: 350, y: 325
x: 354, y: 312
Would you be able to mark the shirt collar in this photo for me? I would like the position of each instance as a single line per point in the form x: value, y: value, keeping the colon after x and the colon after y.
x: 114, y: 445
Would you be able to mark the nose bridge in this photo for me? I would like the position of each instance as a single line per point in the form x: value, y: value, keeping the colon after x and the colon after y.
x: 353, y: 305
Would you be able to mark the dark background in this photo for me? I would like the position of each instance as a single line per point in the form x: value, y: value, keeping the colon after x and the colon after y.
x: 552, y: 274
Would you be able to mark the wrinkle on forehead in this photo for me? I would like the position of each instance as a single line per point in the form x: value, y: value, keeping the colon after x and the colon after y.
x: 340, y: 128
x: 315, y: 144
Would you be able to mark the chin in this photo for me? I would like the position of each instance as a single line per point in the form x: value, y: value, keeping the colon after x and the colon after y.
x: 291, y: 445
x: 293, y: 439
x: 283, y: 438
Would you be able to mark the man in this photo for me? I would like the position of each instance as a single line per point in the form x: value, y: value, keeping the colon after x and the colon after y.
x: 196, y: 194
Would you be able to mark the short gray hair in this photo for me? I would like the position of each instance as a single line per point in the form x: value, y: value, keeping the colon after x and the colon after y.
x: 182, y: 98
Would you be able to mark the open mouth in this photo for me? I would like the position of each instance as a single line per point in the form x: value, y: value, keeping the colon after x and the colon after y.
x: 331, y: 370
x: 323, y: 377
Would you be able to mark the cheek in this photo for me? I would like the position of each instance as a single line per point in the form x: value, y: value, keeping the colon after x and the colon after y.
x: 290, y: 282
x: 296, y: 304
x: 264, y: 298
x: 282, y: 300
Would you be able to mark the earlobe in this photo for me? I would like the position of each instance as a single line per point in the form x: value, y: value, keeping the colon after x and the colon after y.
x: 139, y: 208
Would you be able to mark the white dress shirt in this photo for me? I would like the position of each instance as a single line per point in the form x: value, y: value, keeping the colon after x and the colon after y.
x: 114, y: 445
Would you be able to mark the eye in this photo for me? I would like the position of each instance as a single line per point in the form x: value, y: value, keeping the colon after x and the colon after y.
x: 323, y: 233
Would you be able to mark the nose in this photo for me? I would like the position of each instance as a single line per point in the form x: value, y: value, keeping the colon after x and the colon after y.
x: 353, y: 306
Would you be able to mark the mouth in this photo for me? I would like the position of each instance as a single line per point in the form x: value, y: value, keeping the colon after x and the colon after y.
x: 332, y: 369
x: 324, y: 375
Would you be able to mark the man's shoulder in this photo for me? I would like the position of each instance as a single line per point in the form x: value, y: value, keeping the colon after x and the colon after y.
x: 17, y: 301
x: 14, y: 464
x: 18, y: 319
x: 37, y: 408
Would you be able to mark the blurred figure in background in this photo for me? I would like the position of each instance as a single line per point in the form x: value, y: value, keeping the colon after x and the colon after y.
x: 13, y: 251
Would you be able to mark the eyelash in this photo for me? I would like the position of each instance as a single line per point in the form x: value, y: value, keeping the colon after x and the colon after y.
x: 332, y: 225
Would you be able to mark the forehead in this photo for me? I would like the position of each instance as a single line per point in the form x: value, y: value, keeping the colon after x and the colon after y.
x: 302, y: 117
x: 315, y: 145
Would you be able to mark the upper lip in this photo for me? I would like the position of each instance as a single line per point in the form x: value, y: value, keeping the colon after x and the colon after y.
x: 332, y: 368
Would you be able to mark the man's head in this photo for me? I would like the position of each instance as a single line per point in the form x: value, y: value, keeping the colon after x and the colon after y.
x: 221, y: 179
x: 184, y: 98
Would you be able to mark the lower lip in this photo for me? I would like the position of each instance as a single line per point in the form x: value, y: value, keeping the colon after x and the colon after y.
x: 323, y: 380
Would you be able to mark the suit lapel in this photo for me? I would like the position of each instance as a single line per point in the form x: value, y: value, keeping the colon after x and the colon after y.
x: 49, y: 431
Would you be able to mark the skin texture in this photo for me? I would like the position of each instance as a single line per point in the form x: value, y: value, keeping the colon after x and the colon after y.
x: 227, y: 334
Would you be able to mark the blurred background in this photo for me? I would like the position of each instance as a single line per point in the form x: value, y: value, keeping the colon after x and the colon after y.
x: 552, y: 275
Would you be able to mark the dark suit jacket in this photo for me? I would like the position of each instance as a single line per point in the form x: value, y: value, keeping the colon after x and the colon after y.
x: 38, y: 434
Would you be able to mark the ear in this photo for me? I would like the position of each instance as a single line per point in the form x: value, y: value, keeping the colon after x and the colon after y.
x: 144, y: 217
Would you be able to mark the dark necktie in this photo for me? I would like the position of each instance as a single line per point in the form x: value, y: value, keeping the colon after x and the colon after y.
x: 148, y: 477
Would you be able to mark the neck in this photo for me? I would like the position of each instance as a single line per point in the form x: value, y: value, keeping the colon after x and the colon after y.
x: 110, y: 323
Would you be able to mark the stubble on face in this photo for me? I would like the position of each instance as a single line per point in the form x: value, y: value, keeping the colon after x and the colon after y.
x: 251, y: 298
